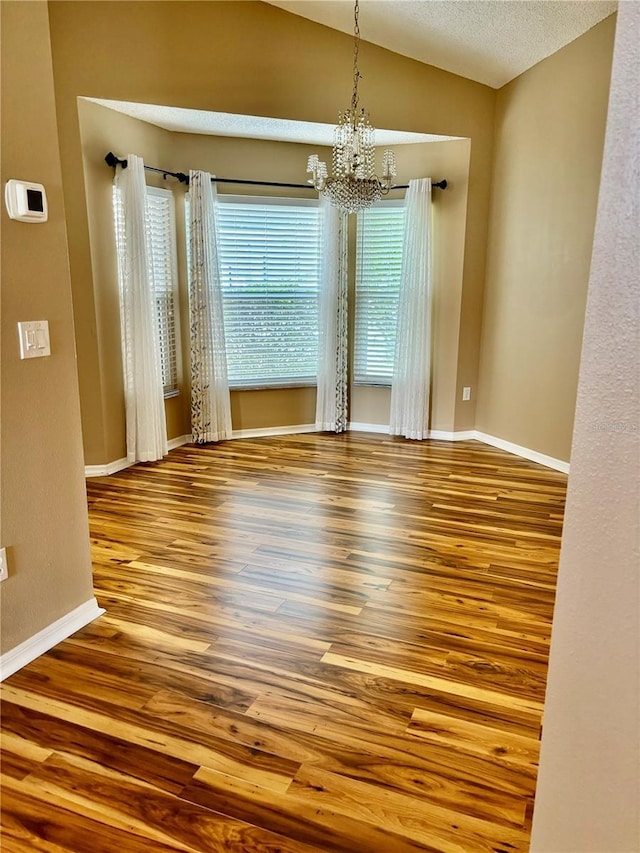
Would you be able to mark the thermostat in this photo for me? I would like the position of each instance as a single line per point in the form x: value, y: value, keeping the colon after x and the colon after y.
x: 25, y: 201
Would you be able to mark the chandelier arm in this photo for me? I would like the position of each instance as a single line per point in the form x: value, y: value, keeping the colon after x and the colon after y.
x: 353, y: 186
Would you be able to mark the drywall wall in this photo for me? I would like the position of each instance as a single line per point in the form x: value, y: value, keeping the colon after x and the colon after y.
x: 102, y: 129
x: 548, y: 150
x: 258, y: 160
x: 95, y: 294
x: 588, y: 796
x: 255, y: 59
x: 43, y: 511
x: 371, y: 405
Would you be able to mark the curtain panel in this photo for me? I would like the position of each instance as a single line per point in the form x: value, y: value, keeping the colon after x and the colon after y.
x: 412, y: 366
x: 144, y: 399
x: 210, y: 401
x: 331, y: 399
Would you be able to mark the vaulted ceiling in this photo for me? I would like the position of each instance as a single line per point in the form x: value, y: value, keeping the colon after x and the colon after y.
x: 490, y: 41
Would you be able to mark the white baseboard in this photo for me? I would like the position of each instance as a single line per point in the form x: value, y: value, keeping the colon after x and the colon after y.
x: 179, y: 441
x: 294, y: 429
x: 109, y: 468
x: 470, y: 434
x: 524, y: 452
x: 358, y: 427
x: 49, y: 637
x: 121, y: 464
x: 444, y: 435
x: 436, y: 434
x: 172, y: 444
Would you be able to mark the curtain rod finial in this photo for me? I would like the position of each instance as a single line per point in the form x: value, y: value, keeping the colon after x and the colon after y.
x: 112, y: 160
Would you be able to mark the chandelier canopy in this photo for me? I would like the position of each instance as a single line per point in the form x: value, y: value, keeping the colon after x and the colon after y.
x: 354, y: 184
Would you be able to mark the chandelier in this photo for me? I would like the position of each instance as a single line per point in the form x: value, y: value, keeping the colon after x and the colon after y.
x: 354, y: 184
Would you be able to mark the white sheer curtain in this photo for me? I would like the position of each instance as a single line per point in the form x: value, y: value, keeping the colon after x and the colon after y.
x: 331, y: 399
x: 210, y: 404
x: 412, y: 367
x: 144, y: 399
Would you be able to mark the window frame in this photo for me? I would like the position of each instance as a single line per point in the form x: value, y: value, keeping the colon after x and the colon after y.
x: 276, y: 201
x: 376, y: 381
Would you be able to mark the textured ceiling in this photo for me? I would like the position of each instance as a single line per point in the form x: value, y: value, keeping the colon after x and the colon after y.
x: 490, y: 41
x: 254, y: 127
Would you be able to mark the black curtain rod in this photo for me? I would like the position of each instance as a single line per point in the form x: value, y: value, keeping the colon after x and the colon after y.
x: 112, y: 160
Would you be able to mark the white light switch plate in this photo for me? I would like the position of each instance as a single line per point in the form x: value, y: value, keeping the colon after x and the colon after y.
x: 4, y: 570
x: 34, y: 339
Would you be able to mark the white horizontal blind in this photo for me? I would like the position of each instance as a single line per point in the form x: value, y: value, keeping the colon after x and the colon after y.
x: 162, y: 246
x: 162, y: 243
x: 378, y: 267
x: 269, y: 253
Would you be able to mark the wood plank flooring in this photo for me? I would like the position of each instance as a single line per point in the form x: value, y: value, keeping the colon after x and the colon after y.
x: 312, y: 643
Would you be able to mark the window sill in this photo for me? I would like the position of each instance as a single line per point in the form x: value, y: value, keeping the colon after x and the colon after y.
x: 169, y: 394
x: 277, y: 387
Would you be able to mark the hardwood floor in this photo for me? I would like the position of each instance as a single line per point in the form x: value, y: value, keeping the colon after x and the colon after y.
x: 312, y: 643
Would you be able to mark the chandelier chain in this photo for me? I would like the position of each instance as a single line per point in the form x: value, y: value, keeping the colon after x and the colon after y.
x: 356, y: 50
x: 353, y: 184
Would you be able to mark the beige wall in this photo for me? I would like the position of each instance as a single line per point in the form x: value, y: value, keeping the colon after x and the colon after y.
x: 265, y: 62
x: 257, y: 160
x: 549, y: 131
x: 588, y: 796
x: 548, y: 148
x: 103, y: 129
x: 95, y: 293
x: 44, y: 510
x: 370, y: 405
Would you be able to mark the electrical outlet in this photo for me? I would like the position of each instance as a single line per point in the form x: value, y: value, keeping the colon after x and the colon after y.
x: 4, y: 569
x: 466, y: 392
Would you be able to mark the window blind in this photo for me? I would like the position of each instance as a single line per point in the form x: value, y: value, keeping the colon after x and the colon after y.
x: 270, y: 270
x: 162, y: 244
x: 162, y: 247
x: 380, y: 234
